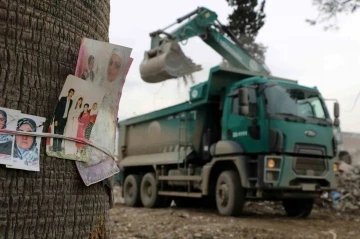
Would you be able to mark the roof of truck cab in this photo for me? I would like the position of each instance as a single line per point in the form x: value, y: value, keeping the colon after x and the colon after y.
x: 251, y: 80
x: 252, y: 74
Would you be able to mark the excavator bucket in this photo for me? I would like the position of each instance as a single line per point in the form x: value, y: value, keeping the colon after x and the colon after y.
x: 167, y: 61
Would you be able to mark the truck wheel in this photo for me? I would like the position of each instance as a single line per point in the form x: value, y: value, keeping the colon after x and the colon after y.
x: 149, y: 193
x: 230, y: 196
x: 298, y: 208
x: 132, y: 190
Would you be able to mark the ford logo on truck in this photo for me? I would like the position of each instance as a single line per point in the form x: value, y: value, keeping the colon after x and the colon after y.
x: 310, y: 133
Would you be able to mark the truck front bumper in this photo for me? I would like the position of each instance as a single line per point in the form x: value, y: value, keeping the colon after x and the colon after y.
x: 282, y: 173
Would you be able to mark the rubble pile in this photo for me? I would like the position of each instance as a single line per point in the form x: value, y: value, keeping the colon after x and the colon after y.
x: 347, y: 197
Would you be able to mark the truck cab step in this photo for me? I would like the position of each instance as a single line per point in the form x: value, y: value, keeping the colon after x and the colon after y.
x: 180, y: 178
x: 180, y: 194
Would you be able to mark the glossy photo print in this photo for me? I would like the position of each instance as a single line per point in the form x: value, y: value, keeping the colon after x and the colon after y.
x: 26, y: 149
x: 74, y: 116
x: 104, y: 65
x: 8, y: 120
x: 96, y: 156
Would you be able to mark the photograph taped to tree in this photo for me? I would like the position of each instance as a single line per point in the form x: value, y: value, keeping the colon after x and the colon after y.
x: 106, y: 65
x: 100, y: 165
x: 26, y: 149
x: 8, y: 120
x: 74, y: 116
x: 96, y: 156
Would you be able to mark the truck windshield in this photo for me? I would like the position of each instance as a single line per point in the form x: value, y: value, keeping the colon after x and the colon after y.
x: 290, y: 101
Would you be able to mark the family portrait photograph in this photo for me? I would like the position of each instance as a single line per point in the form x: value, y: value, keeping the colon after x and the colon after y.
x: 74, y: 116
x: 26, y: 149
x: 104, y: 65
x: 8, y: 120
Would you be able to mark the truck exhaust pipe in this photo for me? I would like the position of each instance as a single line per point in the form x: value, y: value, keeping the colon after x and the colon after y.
x: 167, y: 61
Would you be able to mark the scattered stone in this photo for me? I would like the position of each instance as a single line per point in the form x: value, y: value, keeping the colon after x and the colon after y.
x: 347, y: 196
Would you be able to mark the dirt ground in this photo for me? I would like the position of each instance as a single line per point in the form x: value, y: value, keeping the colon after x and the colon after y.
x: 258, y: 221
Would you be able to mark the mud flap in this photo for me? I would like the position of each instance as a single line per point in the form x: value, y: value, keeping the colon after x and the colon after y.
x: 167, y: 61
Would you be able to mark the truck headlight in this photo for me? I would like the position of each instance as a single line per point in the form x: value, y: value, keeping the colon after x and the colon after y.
x: 271, y: 163
x: 272, y: 169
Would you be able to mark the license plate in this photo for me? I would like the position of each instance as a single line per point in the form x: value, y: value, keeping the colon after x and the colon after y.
x: 308, y: 187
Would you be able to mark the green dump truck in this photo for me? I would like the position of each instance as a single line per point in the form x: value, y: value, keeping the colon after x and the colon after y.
x: 243, y: 134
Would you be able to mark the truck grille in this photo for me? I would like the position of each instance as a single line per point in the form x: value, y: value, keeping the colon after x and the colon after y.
x: 310, y: 166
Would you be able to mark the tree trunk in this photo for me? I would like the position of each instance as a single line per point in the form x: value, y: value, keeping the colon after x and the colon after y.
x: 39, y: 43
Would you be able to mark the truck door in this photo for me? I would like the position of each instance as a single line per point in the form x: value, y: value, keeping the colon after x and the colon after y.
x: 244, y: 130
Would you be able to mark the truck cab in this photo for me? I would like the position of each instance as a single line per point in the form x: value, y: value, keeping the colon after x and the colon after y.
x: 286, y: 128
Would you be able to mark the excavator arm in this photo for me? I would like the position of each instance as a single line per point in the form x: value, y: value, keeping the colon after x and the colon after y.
x: 166, y: 60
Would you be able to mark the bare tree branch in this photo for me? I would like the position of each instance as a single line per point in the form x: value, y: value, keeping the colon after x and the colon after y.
x: 329, y: 9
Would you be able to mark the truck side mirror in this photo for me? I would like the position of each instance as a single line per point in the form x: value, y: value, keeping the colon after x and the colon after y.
x: 336, y: 122
x: 336, y: 110
x: 243, y: 101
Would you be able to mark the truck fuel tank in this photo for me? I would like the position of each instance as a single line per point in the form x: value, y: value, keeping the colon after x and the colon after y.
x: 167, y: 61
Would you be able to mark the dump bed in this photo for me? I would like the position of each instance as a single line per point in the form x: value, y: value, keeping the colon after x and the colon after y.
x: 159, y: 135
x: 167, y: 135
x: 165, y: 139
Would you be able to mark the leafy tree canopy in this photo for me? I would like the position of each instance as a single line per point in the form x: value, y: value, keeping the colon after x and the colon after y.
x: 246, y: 20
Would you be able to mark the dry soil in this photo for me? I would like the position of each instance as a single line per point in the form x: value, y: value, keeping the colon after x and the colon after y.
x: 258, y: 221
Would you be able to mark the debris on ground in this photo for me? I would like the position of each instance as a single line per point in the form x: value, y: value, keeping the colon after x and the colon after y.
x: 347, y: 196
x: 260, y: 220
x: 335, y: 215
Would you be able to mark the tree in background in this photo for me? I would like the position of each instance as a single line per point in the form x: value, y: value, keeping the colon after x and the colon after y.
x: 329, y: 9
x: 246, y: 20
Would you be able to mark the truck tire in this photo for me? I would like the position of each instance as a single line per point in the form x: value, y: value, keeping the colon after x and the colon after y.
x: 132, y: 190
x: 298, y: 208
x: 149, y: 192
x: 230, y: 197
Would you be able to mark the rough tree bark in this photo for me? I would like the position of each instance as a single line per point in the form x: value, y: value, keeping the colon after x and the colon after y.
x: 39, y: 43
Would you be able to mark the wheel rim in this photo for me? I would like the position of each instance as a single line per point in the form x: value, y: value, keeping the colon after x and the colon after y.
x: 147, y: 189
x: 129, y: 190
x: 223, y: 194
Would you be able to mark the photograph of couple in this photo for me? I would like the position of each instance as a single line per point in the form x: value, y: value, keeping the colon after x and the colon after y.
x: 106, y: 66
x: 74, y: 116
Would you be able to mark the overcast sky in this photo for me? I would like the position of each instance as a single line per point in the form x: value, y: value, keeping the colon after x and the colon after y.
x: 328, y: 60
